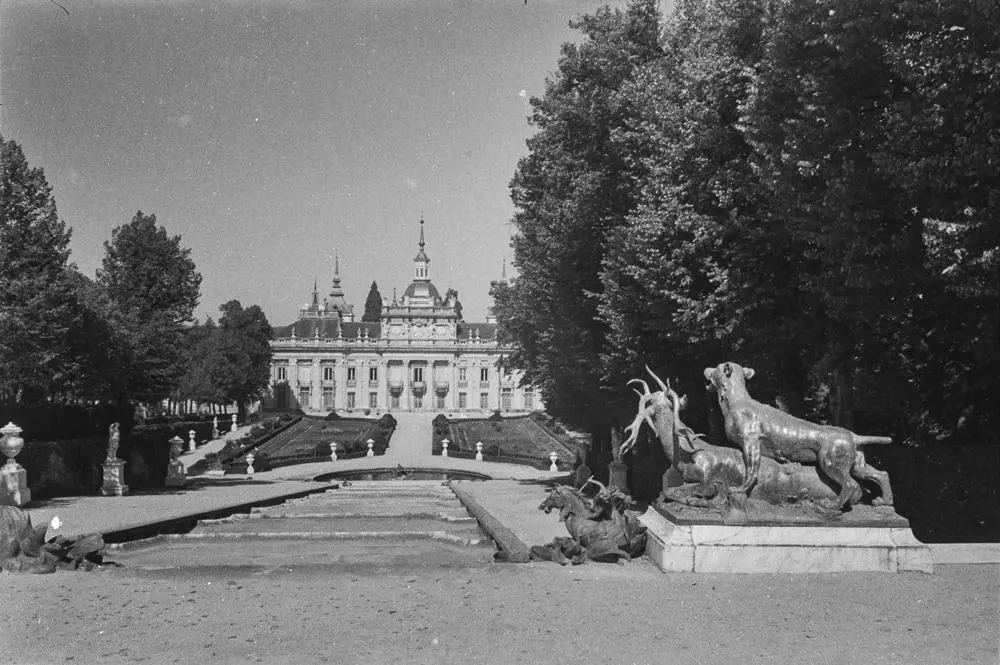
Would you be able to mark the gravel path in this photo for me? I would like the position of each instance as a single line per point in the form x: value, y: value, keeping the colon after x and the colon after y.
x: 499, y: 613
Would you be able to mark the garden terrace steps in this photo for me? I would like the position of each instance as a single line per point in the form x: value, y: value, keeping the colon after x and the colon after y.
x: 365, y: 522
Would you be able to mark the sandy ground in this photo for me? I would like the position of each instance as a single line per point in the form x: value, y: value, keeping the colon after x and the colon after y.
x: 499, y: 613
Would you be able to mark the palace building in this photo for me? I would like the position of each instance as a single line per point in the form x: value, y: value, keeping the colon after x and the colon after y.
x: 420, y: 356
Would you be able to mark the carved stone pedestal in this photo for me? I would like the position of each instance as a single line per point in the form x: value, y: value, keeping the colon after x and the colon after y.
x: 618, y: 476
x: 175, y: 474
x: 678, y: 544
x: 14, y: 485
x: 114, y: 478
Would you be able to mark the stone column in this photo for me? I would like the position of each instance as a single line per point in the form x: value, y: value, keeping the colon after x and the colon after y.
x: 317, y: 385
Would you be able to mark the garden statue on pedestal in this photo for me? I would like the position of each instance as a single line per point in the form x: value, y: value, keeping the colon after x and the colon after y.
x: 113, y: 468
x: 600, y: 529
x: 715, y: 475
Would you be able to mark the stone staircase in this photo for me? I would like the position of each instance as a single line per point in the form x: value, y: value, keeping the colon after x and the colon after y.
x: 410, y: 522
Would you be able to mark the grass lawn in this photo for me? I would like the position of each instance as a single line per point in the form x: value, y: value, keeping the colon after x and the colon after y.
x: 517, y: 437
x: 304, y: 437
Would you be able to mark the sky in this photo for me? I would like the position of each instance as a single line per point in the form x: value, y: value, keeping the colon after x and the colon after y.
x: 273, y: 134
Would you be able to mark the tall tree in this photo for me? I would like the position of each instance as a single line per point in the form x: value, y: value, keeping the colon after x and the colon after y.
x: 153, y: 284
x: 571, y: 190
x: 34, y: 296
x: 373, y: 305
x: 245, y: 337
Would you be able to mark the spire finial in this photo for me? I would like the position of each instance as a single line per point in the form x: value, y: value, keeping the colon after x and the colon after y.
x: 336, y: 263
x: 421, y: 231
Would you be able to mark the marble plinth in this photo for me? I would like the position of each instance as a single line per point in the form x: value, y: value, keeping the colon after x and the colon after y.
x: 801, y: 548
x: 618, y: 476
x: 175, y: 474
x: 14, y: 485
x: 114, y: 478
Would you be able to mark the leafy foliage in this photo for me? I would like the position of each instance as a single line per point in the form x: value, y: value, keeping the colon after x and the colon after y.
x: 35, y: 299
x: 153, y: 285
x: 804, y: 188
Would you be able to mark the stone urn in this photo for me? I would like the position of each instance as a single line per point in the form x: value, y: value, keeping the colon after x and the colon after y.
x: 13, y: 478
x: 11, y: 444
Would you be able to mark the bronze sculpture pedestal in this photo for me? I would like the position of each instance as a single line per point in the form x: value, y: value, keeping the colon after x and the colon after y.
x: 687, y: 539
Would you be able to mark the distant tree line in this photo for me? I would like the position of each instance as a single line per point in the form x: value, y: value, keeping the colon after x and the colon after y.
x: 809, y: 189
x: 127, y: 336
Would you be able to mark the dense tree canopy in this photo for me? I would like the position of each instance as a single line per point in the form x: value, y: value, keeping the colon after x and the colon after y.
x: 36, y: 299
x: 808, y: 188
x: 154, y: 287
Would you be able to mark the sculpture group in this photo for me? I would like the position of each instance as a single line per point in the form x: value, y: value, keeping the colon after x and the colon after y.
x: 600, y: 528
x: 772, y: 456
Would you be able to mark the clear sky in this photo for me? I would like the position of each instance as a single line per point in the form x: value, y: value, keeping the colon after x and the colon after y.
x: 270, y: 134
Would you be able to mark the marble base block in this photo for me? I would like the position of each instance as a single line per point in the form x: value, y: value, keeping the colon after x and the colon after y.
x: 618, y: 476
x: 719, y: 548
x: 175, y: 474
x: 14, y: 485
x: 114, y: 478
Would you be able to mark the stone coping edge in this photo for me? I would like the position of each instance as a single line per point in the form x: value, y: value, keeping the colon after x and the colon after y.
x: 174, y: 523
x: 511, y: 547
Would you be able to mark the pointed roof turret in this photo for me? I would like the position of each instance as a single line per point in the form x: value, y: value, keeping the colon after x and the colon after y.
x: 337, y: 290
x: 337, y: 301
x: 421, y: 254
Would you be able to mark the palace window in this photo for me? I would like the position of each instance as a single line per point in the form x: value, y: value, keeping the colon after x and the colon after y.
x: 352, y: 373
x: 305, y: 396
x: 281, y: 373
x: 328, y: 373
x: 484, y: 401
x: 394, y: 401
x: 328, y: 397
x: 529, y: 401
x: 418, y: 374
x: 418, y: 402
x: 484, y: 375
x: 461, y: 400
x: 373, y: 375
x: 373, y: 400
x: 463, y: 375
x: 350, y: 400
x: 440, y: 402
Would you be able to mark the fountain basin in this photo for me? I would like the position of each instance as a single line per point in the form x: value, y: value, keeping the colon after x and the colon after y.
x: 410, y: 474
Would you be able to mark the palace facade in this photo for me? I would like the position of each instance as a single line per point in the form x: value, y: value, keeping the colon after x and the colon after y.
x: 420, y: 356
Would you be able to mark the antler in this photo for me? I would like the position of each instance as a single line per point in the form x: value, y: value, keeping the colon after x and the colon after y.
x: 663, y: 386
x: 642, y: 383
x: 594, y: 481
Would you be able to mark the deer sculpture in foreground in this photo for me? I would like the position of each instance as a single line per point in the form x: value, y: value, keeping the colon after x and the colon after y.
x: 713, y: 475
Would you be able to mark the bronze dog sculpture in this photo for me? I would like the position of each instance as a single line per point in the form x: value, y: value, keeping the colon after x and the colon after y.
x: 710, y: 472
x: 758, y: 429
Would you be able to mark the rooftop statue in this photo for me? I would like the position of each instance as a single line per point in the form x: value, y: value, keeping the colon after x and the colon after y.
x: 713, y: 475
